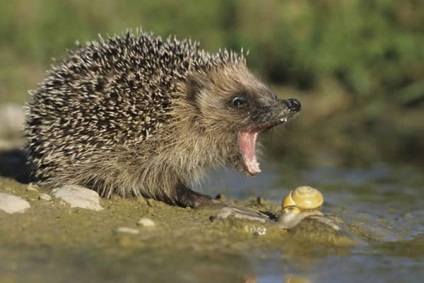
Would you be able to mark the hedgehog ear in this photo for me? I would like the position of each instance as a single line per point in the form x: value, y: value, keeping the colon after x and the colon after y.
x: 194, y: 85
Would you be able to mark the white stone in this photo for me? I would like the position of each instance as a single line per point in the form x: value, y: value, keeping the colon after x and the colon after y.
x: 32, y: 188
x: 13, y: 204
x: 45, y: 197
x: 127, y: 230
x: 77, y: 196
x: 146, y: 222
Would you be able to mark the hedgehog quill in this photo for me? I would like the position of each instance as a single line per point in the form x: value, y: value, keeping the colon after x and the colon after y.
x: 137, y: 115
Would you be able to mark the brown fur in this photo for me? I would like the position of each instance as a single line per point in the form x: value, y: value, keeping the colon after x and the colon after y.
x: 199, y: 131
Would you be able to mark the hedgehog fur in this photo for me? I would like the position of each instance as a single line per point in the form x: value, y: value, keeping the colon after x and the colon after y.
x: 140, y: 116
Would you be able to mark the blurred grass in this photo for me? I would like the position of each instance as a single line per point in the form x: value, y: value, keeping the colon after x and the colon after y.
x: 357, y: 65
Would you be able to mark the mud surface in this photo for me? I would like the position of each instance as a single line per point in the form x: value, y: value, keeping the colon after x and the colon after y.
x: 52, y: 242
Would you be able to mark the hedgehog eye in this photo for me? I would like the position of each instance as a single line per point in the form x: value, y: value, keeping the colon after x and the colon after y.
x: 239, y: 101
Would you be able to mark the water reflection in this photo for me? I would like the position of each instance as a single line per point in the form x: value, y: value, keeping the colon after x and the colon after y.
x: 381, y: 205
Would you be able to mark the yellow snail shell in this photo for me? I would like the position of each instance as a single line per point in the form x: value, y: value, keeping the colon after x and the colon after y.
x: 303, y: 198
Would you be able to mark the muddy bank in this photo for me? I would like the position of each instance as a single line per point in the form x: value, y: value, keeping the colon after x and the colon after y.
x: 52, y: 237
x: 54, y: 222
x: 53, y: 242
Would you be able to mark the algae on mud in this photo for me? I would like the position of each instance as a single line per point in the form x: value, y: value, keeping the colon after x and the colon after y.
x: 52, y: 241
x: 53, y: 235
x: 184, y: 227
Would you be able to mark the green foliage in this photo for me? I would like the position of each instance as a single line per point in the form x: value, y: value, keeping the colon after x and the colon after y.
x: 373, y: 48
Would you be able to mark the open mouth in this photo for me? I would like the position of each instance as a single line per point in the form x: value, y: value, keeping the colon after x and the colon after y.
x: 247, y: 143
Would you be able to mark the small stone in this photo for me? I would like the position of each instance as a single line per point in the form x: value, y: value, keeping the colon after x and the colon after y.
x: 77, y: 196
x: 128, y: 230
x: 240, y: 213
x: 255, y: 230
x: 13, y: 204
x: 146, y: 222
x: 45, y: 197
x: 32, y: 188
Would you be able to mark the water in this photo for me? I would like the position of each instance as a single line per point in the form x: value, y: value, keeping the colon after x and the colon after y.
x: 385, y: 204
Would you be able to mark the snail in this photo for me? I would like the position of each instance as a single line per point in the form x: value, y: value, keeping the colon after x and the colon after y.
x: 300, y: 203
x: 303, y: 198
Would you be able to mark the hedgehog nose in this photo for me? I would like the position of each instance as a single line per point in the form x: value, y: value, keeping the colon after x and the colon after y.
x: 293, y: 104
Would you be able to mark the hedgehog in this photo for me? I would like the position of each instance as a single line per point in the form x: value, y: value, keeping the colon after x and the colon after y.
x: 137, y: 115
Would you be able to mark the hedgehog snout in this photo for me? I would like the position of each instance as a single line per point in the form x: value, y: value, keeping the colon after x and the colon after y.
x: 293, y: 104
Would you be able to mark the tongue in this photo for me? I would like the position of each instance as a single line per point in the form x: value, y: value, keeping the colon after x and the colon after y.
x: 247, y: 142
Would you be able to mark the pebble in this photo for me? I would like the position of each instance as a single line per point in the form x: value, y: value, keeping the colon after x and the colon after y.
x: 32, y: 188
x: 128, y: 230
x: 77, y: 196
x: 146, y: 222
x: 45, y: 197
x: 239, y: 213
x: 255, y: 230
x: 13, y: 204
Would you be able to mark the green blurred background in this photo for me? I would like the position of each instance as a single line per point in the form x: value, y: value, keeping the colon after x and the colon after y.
x: 356, y: 65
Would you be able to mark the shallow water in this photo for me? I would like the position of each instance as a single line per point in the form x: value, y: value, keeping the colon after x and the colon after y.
x: 381, y: 206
